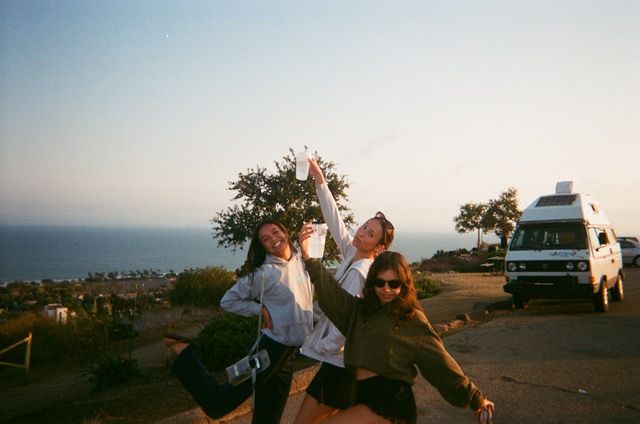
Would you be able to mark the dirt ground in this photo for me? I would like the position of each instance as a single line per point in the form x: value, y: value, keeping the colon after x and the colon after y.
x: 63, y: 393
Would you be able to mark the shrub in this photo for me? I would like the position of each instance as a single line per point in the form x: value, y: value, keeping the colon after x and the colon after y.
x: 113, y: 371
x: 93, y: 343
x: 201, y: 287
x: 226, y: 338
x: 51, y: 341
x: 425, y: 287
x: 458, y: 261
x: 121, y: 330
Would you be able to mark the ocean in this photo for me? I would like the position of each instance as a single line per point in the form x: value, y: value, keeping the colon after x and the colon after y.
x: 34, y: 253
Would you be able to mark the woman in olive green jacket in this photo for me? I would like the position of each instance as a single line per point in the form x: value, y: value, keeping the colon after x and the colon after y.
x: 387, y: 337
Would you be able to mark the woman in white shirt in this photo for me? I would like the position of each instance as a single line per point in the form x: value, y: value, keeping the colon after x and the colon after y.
x: 330, y: 389
x: 278, y: 288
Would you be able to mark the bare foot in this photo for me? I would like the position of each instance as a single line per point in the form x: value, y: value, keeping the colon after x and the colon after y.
x: 176, y: 346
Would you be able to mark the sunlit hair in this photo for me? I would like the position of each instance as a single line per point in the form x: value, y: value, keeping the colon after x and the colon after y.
x: 406, y: 303
x: 257, y: 253
x: 387, y: 229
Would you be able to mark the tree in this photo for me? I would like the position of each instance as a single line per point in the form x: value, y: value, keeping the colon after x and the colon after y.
x: 201, y: 287
x: 262, y: 195
x: 502, y: 215
x: 470, y: 219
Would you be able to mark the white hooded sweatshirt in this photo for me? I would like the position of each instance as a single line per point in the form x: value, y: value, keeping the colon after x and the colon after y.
x: 288, y: 296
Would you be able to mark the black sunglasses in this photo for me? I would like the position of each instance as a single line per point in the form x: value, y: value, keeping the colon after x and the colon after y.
x: 393, y: 284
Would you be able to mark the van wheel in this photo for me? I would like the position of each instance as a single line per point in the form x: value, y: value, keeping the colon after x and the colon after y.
x: 601, y: 299
x: 617, y: 292
x: 636, y: 261
x: 520, y: 302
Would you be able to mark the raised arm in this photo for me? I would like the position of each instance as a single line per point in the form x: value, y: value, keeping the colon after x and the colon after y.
x: 336, y: 303
x: 329, y: 209
x: 333, y: 341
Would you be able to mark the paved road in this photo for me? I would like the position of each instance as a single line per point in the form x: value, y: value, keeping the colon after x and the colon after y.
x: 554, y: 362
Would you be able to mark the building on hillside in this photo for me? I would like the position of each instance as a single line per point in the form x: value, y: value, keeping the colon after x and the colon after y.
x: 56, y: 312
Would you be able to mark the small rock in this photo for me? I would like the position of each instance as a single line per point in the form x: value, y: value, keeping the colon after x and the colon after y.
x: 456, y: 323
x: 463, y: 317
x: 440, y: 328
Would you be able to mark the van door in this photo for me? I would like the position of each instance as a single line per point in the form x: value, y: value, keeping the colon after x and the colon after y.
x: 605, y: 260
x: 616, y: 253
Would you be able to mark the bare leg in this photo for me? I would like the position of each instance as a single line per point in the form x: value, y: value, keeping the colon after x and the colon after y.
x: 360, y: 414
x: 175, y: 346
x: 312, y: 411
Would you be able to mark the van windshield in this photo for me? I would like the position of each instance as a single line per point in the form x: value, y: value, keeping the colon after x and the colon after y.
x: 549, y: 236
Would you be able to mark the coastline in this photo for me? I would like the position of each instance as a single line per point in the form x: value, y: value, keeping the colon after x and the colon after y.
x: 36, y: 253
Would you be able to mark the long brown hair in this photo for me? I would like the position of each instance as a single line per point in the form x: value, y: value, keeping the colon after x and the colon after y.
x: 406, y: 303
x: 257, y: 253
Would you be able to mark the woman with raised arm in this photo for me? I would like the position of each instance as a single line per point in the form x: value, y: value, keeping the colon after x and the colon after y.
x: 276, y: 279
x: 388, y: 336
x: 330, y: 389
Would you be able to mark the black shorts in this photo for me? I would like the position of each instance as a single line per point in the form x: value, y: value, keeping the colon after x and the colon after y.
x: 391, y: 399
x: 332, y: 386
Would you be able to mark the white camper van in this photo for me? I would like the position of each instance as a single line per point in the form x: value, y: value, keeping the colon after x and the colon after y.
x: 564, y: 247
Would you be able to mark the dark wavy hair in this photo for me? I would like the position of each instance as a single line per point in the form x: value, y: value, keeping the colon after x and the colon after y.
x: 387, y: 229
x: 257, y: 253
x: 405, y: 305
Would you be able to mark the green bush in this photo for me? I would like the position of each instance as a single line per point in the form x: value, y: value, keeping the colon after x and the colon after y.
x: 425, y: 287
x: 113, y: 371
x: 93, y: 343
x: 51, y: 341
x: 121, y: 330
x: 226, y: 338
x: 201, y: 287
x: 457, y: 260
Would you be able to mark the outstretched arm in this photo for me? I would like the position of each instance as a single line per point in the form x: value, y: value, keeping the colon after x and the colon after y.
x: 444, y: 373
x: 335, y: 302
x: 333, y: 341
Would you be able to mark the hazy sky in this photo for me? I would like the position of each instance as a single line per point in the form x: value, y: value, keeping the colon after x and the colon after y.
x: 141, y: 112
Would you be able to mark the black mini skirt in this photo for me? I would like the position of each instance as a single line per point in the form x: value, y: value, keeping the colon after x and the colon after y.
x: 332, y: 386
x: 391, y: 399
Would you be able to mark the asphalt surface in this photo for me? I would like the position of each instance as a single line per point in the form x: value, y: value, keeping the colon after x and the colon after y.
x: 553, y: 362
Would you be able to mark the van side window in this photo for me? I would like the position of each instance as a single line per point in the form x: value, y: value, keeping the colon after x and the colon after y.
x: 598, y: 237
x: 593, y: 237
x: 611, y: 236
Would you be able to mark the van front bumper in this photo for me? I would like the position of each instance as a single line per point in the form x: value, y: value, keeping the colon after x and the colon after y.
x: 561, y: 287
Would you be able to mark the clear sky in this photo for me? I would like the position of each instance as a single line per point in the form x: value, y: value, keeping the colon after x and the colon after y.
x: 141, y: 112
